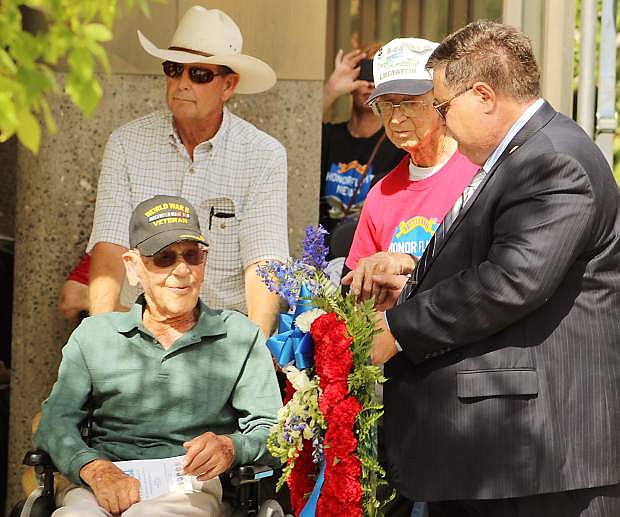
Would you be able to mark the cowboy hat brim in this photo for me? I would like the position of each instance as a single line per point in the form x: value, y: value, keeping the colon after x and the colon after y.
x: 255, y: 76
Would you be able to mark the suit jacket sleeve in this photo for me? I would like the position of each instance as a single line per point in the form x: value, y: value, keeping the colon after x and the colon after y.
x: 539, y: 225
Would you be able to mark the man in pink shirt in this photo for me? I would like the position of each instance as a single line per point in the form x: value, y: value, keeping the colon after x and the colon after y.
x: 403, y: 210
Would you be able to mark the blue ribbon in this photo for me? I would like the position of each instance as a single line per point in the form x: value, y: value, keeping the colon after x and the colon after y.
x: 291, y: 345
x: 310, y: 507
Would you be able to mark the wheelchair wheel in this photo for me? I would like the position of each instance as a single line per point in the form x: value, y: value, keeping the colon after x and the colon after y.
x: 37, y: 505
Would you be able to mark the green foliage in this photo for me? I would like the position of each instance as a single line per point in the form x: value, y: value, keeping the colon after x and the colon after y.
x: 73, y: 30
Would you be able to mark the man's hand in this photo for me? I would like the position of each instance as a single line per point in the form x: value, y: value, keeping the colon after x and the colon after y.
x: 384, y: 343
x: 391, y: 285
x: 115, y: 491
x: 208, y: 455
x: 344, y: 77
x: 361, y: 279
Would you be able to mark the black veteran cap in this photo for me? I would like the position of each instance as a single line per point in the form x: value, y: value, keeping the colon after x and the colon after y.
x: 161, y: 221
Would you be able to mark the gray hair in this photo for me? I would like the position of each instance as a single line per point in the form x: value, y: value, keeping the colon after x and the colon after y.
x: 494, y: 53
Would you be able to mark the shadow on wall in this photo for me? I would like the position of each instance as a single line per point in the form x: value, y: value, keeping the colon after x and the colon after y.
x: 6, y: 303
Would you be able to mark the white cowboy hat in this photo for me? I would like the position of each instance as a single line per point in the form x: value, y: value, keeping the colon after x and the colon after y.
x: 211, y: 36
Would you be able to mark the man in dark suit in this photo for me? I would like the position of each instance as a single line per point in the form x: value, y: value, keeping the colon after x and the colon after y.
x: 503, y: 356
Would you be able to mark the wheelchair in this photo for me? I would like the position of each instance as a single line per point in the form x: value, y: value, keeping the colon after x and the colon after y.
x: 241, y: 490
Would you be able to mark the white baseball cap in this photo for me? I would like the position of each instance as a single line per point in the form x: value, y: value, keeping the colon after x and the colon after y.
x: 400, y: 67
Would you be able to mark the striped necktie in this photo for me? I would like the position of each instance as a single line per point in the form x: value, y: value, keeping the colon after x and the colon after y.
x: 440, y: 235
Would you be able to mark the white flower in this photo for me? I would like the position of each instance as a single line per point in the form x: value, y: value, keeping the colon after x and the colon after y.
x: 304, y: 320
x: 297, y: 378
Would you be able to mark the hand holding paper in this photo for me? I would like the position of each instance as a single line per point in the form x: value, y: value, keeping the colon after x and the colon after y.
x: 208, y: 455
x: 115, y: 491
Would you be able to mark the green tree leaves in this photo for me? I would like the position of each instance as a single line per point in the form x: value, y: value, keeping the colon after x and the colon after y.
x: 70, y: 29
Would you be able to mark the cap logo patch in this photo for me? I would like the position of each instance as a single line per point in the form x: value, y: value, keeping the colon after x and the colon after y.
x: 168, y: 213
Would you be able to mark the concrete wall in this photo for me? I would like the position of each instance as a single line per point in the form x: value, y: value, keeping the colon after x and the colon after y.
x: 56, y: 190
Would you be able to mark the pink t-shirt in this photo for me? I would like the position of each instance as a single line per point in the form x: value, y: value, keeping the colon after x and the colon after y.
x: 402, y: 215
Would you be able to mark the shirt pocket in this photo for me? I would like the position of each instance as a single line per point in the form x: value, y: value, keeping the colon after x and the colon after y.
x: 223, y: 233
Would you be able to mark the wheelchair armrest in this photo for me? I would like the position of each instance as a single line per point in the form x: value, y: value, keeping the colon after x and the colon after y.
x: 45, y: 468
x: 38, y: 458
x: 252, y: 473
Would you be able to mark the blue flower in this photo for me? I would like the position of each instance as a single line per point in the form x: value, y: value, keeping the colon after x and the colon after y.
x: 285, y: 279
x: 280, y: 279
x: 315, y: 250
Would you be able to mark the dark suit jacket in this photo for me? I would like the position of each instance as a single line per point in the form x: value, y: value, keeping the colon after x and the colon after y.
x: 509, y: 379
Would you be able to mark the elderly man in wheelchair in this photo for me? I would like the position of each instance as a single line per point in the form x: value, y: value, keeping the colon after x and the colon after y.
x: 171, y: 377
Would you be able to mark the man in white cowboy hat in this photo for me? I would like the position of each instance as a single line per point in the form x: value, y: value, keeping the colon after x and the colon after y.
x: 234, y: 174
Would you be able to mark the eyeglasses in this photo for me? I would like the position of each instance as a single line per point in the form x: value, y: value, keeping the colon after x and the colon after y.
x: 196, y: 74
x: 168, y: 257
x: 443, y: 107
x: 411, y: 109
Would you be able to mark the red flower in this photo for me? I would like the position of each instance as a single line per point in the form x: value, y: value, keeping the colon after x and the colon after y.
x: 331, y: 332
x: 332, y: 394
x: 342, y: 480
x: 330, y: 507
x: 345, y: 412
x: 341, y: 493
x: 333, y: 366
x: 332, y: 354
x: 301, y: 480
x: 339, y: 442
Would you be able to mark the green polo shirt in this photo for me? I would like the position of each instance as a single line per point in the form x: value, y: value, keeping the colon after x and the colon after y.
x: 146, y: 400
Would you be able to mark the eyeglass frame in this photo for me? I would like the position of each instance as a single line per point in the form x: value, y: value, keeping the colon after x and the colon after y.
x: 443, y: 107
x: 191, y: 71
x: 375, y: 107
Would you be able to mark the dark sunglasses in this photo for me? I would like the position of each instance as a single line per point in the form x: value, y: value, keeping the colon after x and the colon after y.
x: 168, y: 257
x: 196, y: 74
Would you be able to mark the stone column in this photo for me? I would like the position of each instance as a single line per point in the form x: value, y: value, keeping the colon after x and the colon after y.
x: 56, y: 190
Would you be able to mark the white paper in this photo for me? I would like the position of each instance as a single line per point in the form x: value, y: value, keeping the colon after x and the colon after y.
x: 157, y: 477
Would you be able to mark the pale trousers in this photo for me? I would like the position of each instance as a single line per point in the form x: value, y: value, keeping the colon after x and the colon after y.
x: 204, y: 501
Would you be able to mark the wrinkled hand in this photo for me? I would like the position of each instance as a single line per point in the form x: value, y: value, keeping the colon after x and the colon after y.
x: 208, y: 455
x: 384, y: 343
x: 362, y: 279
x: 115, y: 491
x: 346, y: 70
x: 392, y: 285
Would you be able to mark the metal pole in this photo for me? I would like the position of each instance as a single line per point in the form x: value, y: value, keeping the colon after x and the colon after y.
x: 585, y: 96
x: 606, y: 112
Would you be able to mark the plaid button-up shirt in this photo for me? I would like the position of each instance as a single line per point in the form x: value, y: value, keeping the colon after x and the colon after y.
x: 237, y: 183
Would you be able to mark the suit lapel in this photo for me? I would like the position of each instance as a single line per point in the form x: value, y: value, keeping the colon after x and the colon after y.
x: 540, y: 118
